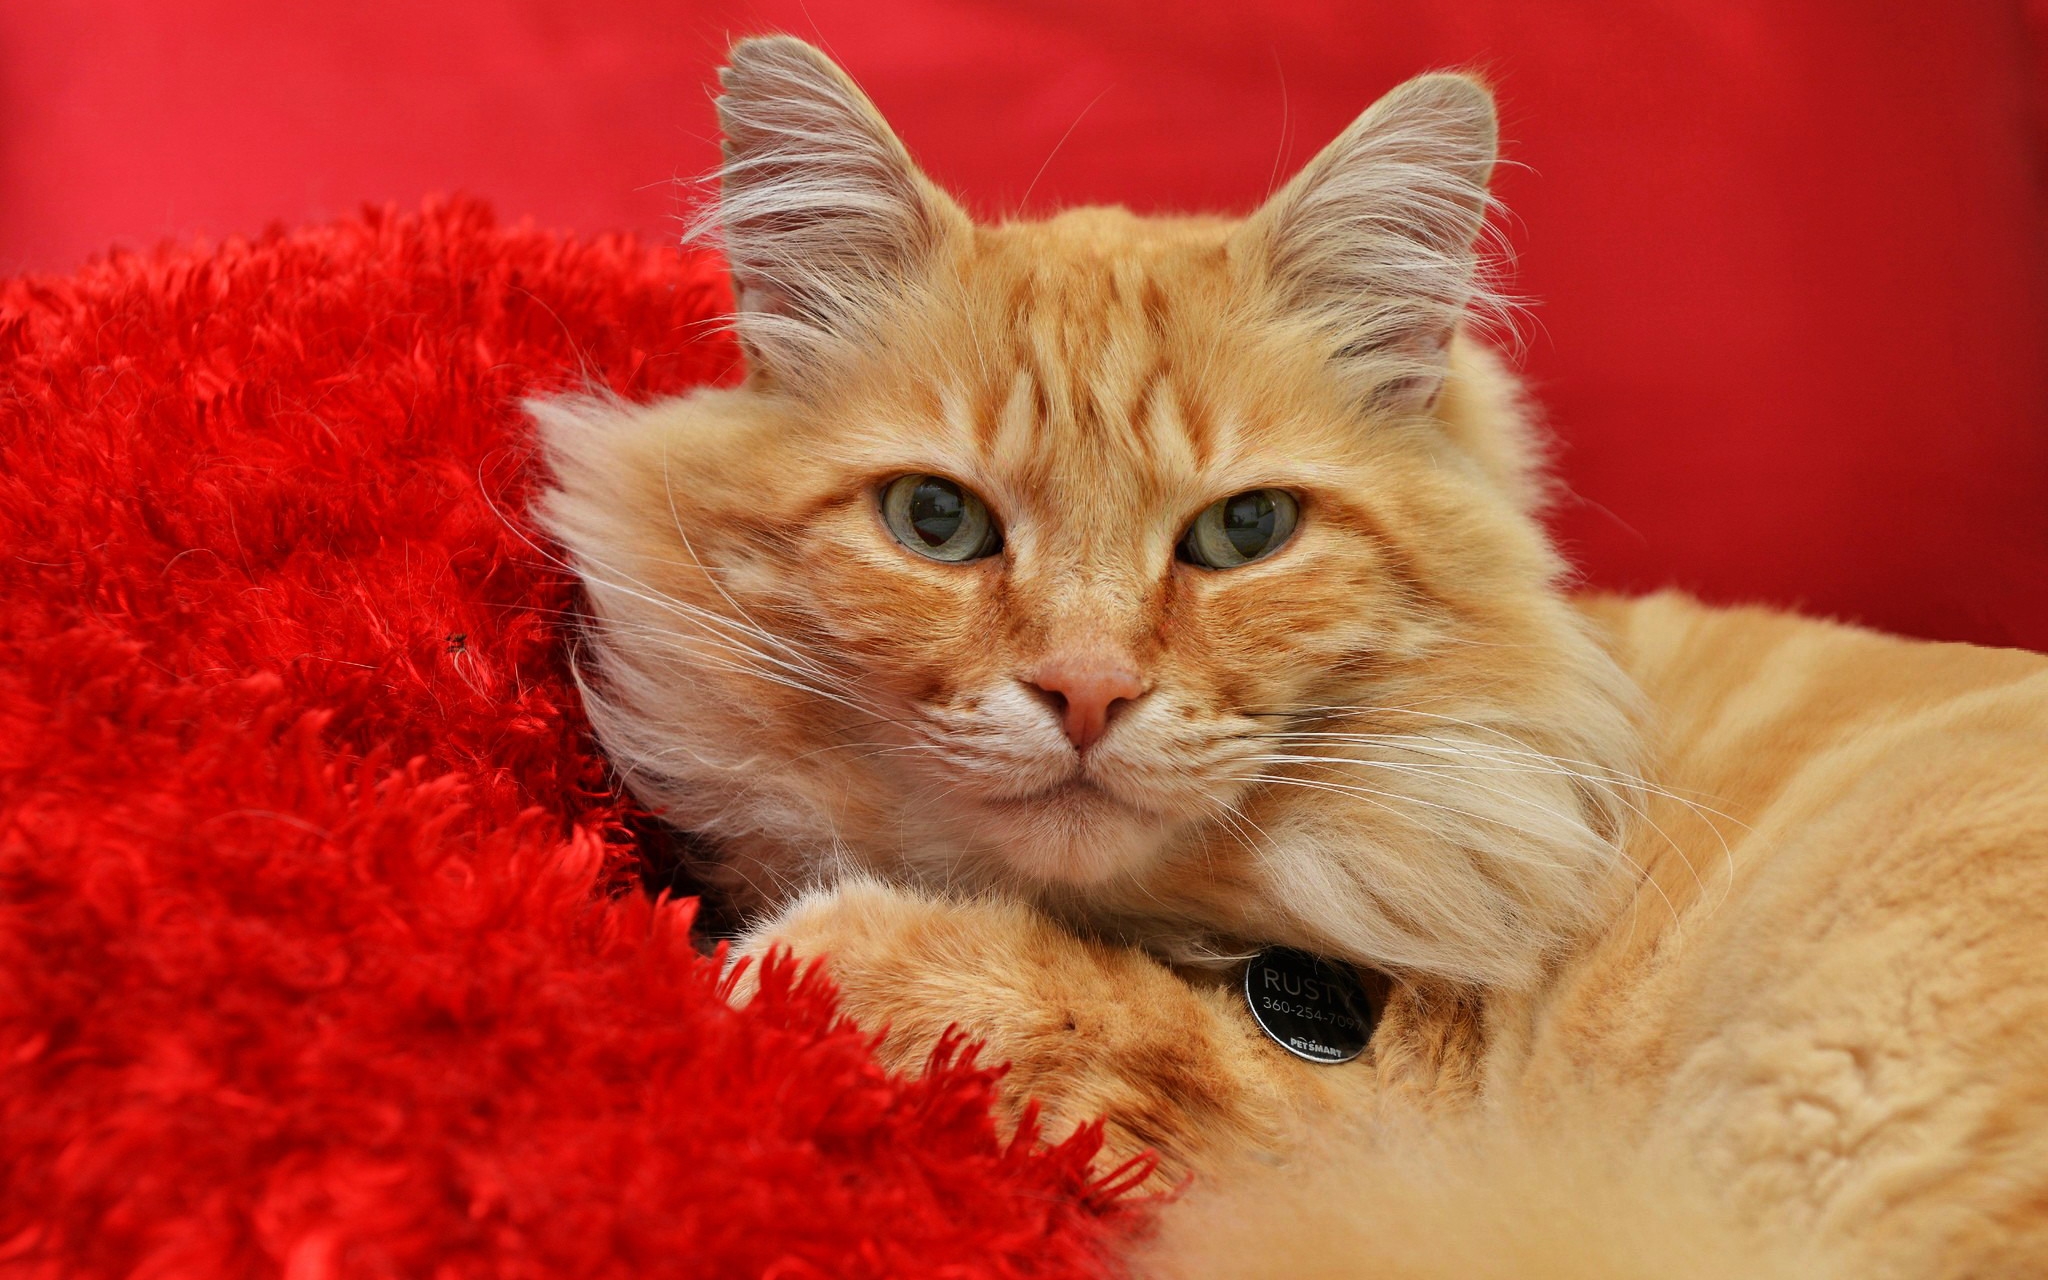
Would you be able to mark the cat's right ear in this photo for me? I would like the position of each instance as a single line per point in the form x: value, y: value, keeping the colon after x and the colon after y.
x: 1371, y: 246
x: 821, y: 211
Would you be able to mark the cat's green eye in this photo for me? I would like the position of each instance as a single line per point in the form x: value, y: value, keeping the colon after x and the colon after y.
x: 1240, y: 529
x: 938, y: 519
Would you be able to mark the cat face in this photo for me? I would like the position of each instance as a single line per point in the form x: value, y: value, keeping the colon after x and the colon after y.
x: 1176, y: 573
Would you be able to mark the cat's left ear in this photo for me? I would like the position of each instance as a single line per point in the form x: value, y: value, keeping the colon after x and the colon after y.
x: 1372, y: 245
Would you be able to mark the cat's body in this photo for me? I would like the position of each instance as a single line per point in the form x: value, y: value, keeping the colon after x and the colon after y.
x: 1811, y: 1042
x: 1760, y: 953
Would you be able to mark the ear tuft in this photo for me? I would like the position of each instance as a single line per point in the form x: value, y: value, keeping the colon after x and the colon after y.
x: 821, y: 212
x: 1372, y: 244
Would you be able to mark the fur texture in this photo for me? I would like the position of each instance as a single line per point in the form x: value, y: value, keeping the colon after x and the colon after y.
x: 1473, y: 1197
x: 1772, y: 1005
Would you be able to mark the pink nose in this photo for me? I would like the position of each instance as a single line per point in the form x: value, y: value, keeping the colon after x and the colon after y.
x: 1084, y: 690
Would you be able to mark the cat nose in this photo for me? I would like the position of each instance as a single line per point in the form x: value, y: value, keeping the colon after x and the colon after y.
x: 1083, y: 690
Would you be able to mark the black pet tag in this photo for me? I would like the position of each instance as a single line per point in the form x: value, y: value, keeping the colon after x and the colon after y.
x: 1312, y: 1008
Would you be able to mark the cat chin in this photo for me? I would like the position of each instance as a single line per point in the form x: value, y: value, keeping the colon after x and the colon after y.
x: 1078, y: 836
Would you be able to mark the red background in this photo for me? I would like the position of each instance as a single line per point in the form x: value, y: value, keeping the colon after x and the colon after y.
x: 1788, y: 255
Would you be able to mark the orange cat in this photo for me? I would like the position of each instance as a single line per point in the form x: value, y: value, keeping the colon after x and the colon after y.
x: 1063, y: 611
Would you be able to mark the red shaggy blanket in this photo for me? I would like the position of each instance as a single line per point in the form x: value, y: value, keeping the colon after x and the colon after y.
x: 321, y: 948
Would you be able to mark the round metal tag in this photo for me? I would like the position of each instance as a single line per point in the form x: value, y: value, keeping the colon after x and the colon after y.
x: 1312, y: 1008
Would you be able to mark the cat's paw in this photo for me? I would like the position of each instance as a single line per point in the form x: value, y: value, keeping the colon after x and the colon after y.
x: 1089, y: 1030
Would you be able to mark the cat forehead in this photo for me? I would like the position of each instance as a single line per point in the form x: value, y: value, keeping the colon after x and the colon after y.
x: 1098, y: 324
x: 1095, y: 263
x: 1095, y: 351
x: 1096, y: 232
x: 1095, y: 329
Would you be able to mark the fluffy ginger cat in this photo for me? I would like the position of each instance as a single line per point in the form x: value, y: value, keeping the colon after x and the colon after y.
x: 1063, y: 611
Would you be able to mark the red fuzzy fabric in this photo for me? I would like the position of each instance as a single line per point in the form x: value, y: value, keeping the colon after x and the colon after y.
x: 321, y: 952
